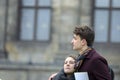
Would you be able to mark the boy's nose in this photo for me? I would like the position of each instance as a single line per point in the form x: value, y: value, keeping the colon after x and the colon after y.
x: 71, y: 41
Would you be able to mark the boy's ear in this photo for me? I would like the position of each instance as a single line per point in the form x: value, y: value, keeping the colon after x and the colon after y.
x: 83, y: 41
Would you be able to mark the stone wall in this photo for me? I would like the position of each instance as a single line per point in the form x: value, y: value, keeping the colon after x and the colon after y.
x: 35, y: 60
x: 26, y: 72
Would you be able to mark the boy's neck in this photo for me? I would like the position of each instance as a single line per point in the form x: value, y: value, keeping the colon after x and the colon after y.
x: 83, y: 50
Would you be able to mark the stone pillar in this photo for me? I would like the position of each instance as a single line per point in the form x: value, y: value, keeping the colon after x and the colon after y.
x: 3, y: 24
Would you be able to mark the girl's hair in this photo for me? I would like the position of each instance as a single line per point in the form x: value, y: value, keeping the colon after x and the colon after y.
x: 72, y: 56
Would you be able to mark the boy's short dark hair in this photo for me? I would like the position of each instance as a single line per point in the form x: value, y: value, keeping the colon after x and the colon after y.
x: 85, y: 32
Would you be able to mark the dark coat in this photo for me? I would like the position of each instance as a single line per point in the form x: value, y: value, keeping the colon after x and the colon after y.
x: 62, y: 76
x: 96, y: 66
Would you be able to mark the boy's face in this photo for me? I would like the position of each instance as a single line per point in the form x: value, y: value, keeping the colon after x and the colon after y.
x: 76, y: 42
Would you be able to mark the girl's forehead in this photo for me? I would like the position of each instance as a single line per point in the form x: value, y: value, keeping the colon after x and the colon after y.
x: 69, y: 58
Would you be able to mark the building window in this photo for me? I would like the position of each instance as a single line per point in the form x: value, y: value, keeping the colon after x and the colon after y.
x: 35, y: 20
x: 106, y: 20
x: 3, y: 28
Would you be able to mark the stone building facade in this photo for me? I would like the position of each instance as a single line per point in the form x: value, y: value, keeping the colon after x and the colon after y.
x: 35, y: 60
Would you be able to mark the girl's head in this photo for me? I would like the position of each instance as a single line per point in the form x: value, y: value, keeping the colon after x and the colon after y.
x: 69, y: 64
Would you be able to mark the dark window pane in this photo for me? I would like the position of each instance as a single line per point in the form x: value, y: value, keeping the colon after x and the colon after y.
x: 101, y: 25
x: 43, y: 26
x: 115, y: 30
x: 44, y: 2
x: 116, y: 3
x: 27, y: 24
x: 102, y: 3
x: 28, y: 2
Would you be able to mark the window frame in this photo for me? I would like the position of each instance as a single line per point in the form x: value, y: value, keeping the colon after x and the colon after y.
x: 109, y: 9
x: 36, y: 8
x: 3, y: 52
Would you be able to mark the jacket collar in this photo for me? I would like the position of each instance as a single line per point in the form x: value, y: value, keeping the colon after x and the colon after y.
x: 90, y: 53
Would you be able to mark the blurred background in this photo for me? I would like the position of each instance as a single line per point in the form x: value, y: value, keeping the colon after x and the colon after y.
x: 35, y: 35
